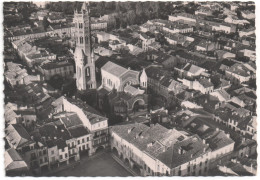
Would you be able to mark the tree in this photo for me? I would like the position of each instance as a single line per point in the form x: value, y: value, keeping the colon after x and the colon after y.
x: 101, y: 8
x: 131, y: 16
x: 45, y: 23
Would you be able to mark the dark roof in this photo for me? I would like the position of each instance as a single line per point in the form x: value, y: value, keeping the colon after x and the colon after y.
x: 219, y: 140
x: 69, y: 119
x: 21, y: 131
x: 78, y: 131
x: 205, y: 82
x: 228, y: 62
x: 55, y: 64
x: 61, y: 143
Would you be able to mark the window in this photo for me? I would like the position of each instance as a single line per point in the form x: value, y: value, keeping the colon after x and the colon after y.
x: 81, y: 40
x: 40, y: 161
x: 205, y: 169
x: 87, y: 138
x: 52, y: 152
x: 45, y: 159
x: 40, y: 153
x: 44, y: 151
x: 78, y: 141
x: 188, y: 168
x: 66, y: 155
x: 200, y: 163
x: 194, y: 167
x: 53, y: 159
x: 83, y: 140
x: 61, y: 157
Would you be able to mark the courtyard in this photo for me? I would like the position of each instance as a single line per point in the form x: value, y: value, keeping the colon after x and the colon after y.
x: 101, y: 164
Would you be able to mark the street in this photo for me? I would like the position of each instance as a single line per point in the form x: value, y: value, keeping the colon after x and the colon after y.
x: 99, y: 165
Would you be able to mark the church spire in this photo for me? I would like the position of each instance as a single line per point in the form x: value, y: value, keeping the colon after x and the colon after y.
x: 83, y: 55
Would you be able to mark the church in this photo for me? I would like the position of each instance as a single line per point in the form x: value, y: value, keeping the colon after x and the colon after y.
x: 123, y: 91
x: 84, y: 55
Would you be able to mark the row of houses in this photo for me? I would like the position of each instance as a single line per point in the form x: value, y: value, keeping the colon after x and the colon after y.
x: 73, y: 129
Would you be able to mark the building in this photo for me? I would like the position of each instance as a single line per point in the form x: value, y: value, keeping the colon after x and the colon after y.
x: 248, y: 14
x: 118, y: 77
x: 190, y: 71
x: 246, y: 32
x: 204, y: 85
x: 84, y: 55
x: 184, y: 18
x: 14, y: 164
x: 239, y: 73
x: 157, y: 151
x: 96, y: 124
x: 146, y: 40
x: 224, y: 27
x: 49, y: 69
x: 205, y: 11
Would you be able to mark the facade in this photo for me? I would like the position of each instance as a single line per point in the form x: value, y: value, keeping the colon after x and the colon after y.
x: 84, y: 55
x: 96, y: 124
x: 63, y: 69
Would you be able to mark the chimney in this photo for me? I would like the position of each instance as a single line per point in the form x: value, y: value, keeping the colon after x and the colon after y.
x: 204, y: 149
x: 217, y: 129
x: 204, y: 141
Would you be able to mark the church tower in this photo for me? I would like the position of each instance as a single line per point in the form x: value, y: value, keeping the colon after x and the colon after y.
x: 143, y: 79
x: 84, y: 55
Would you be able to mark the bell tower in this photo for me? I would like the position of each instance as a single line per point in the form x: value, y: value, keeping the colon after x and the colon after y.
x: 84, y: 55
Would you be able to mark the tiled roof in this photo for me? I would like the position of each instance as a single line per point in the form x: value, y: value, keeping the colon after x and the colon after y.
x: 162, y: 143
x: 154, y: 73
x: 205, y: 82
x: 78, y: 131
x: 17, y: 135
x: 13, y: 161
x: 114, y: 69
x: 69, y: 119
x: 218, y: 140
x: 92, y: 114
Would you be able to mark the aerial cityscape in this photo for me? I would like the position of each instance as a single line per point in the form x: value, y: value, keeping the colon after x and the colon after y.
x: 130, y: 88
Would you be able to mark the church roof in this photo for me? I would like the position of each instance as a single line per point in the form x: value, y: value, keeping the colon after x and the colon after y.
x: 114, y: 69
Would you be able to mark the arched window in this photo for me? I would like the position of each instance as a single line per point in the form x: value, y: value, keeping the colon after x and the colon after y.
x: 86, y: 39
x: 87, y: 71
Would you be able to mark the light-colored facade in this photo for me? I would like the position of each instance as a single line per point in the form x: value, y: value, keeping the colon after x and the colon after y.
x: 84, y: 55
x: 145, y: 149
